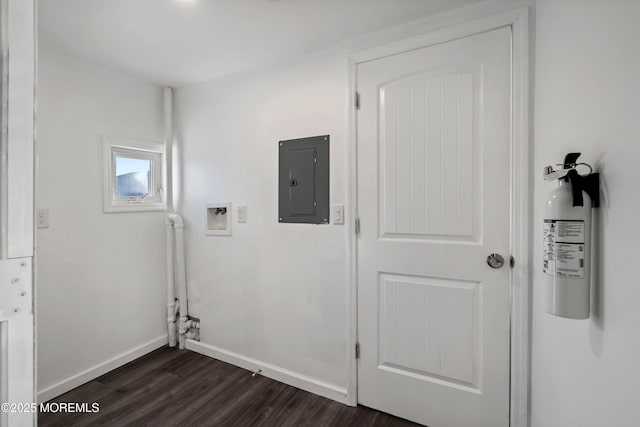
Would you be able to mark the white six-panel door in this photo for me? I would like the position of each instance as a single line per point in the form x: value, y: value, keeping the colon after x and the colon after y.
x: 433, y: 201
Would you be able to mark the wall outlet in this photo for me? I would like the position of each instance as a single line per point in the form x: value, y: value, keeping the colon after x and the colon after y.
x: 242, y: 214
x: 42, y: 218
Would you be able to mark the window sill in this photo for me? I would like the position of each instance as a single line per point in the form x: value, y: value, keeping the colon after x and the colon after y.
x: 135, y: 207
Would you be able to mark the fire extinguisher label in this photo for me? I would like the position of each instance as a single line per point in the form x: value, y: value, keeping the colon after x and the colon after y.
x: 564, y: 254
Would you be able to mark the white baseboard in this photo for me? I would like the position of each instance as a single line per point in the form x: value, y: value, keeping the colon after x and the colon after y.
x: 101, y: 369
x: 286, y: 376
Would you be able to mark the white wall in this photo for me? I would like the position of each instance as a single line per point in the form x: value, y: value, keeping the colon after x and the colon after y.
x: 585, y: 373
x: 100, y: 277
x: 273, y: 292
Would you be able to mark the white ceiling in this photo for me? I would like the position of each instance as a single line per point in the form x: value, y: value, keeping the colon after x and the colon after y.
x: 180, y: 42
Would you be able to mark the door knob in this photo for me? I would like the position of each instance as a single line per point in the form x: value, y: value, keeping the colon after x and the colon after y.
x: 495, y: 260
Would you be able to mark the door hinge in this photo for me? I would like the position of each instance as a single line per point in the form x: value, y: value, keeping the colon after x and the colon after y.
x: 512, y: 261
x: 357, y: 350
x: 357, y: 100
x: 357, y: 225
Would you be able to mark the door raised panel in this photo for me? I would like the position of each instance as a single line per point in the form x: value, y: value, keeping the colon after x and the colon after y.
x: 429, y: 165
x: 430, y: 328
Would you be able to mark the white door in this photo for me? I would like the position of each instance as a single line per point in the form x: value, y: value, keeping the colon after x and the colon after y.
x: 434, y: 202
x: 17, y: 28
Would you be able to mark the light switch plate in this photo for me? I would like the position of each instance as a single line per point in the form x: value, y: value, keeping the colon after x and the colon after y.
x: 242, y: 214
x: 42, y: 218
x: 337, y: 214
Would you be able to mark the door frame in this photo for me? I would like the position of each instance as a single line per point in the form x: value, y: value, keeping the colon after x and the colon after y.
x: 466, y: 23
x: 17, y: 379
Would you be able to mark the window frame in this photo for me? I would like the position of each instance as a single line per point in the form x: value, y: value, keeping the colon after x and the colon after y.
x: 135, y: 149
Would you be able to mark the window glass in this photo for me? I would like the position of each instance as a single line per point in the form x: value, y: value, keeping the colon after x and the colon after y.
x: 133, y: 177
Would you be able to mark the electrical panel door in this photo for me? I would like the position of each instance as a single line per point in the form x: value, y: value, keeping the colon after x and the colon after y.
x: 304, y: 180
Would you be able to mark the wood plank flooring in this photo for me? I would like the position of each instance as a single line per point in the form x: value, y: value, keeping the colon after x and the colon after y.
x: 170, y: 387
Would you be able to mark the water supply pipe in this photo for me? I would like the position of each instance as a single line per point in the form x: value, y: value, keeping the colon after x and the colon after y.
x: 172, y: 304
x: 168, y: 147
x: 174, y: 237
x: 171, y: 294
x: 181, y: 276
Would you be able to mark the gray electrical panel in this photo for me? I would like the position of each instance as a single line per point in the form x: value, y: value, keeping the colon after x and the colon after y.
x: 303, y: 187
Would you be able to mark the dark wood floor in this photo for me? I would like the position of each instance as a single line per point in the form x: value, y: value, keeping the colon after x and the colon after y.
x: 171, y: 387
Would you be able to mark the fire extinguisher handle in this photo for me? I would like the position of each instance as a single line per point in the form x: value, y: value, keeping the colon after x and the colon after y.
x: 570, y: 160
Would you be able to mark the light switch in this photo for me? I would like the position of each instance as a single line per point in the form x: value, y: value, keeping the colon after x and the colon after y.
x: 337, y: 214
x: 242, y: 214
x: 42, y: 218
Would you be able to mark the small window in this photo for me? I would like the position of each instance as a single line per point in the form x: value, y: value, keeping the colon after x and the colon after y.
x: 133, y: 178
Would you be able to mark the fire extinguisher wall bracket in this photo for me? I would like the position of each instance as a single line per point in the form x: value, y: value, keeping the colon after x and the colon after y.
x: 590, y: 184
